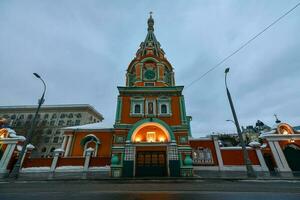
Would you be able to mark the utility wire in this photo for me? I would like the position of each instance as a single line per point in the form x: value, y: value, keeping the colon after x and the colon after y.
x: 244, y: 45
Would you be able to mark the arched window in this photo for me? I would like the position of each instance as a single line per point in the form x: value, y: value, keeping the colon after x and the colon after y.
x: 90, y: 141
x: 137, y: 108
x: 164, y: 109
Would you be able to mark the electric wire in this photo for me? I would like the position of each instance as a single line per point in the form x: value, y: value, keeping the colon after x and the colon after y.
x: 244, y: 45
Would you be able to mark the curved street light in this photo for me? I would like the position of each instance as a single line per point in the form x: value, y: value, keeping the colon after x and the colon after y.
x: 15, y: 172
x: 250, y: 171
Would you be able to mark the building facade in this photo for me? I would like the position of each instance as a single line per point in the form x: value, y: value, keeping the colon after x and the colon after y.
x: 51, y: 119
x: 151, y: 130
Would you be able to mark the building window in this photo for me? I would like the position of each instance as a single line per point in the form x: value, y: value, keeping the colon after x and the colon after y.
x: 21, y: 117
x: 46, y: 139
x: 78, y: 115
x: 69, y: 123
x: 202, y: 156
x: 27, y: 124
x: 55, y: 139
x: 164, y: 104
x: 46, y: 116
x: 29, y: 116
x: 77, y: 122
x: 44, y: 123
x: 54, y: 116
x: 62, y: 115
x: 61, y: 123
x: 44, y: 149
x: 19, y: 123
x: 52, y: 123
x: 13, y: 117
x: 164, y: 109
x: 70, y: 115
x: 137, y: 108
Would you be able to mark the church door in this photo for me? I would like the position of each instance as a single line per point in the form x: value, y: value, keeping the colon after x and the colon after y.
x: 151, y: 163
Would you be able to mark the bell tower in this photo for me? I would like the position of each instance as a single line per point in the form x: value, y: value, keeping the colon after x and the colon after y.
x: 151, y: 125
x: 150, y: 68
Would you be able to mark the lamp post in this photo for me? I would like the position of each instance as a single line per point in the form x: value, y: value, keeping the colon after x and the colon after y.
x: 250, y: 171
x: 16, y: 169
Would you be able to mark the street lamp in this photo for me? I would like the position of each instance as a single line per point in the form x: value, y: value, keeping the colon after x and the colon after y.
x: 250, y: 171
x: 16, y: 169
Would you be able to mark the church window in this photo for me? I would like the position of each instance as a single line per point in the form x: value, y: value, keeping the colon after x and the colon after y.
x: 164, y: 104
x: 164, y: 109
x: 149, y: 84
x: 137, y: 108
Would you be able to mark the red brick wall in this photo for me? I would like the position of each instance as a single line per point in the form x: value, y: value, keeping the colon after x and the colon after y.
x: 235, y: 157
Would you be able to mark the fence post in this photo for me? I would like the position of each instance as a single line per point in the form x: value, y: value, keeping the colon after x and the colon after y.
x: 29, y: 148
x: 88, y: 154
x: 57, y: 153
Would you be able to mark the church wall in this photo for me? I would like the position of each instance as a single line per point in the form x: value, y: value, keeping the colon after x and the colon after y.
x: 172, y: 120
x: 104, y: 149
x: 235, y: 157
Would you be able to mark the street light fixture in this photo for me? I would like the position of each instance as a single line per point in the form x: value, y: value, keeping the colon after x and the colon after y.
x: 250, y: 171
x: 17, y: 166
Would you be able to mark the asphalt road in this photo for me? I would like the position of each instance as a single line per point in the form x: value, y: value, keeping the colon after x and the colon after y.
x: 154, y: 190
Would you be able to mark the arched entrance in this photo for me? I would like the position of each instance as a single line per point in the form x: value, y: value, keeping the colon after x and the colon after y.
x: 292, y: 155
x: 150, y: 142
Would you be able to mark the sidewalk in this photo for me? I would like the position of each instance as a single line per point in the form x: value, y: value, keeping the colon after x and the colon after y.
x: 198, y: 176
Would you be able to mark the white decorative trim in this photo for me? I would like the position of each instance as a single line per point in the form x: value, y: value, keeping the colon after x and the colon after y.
x: 218, y: 152
x: 206, y: 168
x: 154, y: 107
x: 261, y: 160
x: 240, y: 168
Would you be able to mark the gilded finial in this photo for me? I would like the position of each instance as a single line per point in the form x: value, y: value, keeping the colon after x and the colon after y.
x: 150, y: 22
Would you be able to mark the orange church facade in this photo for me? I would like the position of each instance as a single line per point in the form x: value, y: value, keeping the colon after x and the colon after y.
x: 151, y: 128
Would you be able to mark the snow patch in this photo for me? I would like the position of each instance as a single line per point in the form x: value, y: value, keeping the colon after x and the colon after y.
x: 36, y: 169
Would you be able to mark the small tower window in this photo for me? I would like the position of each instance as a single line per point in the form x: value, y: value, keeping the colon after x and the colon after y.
x: 164, y: 109
x: 137, y: 108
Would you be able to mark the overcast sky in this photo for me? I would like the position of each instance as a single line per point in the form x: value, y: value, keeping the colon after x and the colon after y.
x: 82, y: 48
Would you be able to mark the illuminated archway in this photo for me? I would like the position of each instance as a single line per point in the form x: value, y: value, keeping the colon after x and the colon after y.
x: 285, y: 129
x: 150, y: 130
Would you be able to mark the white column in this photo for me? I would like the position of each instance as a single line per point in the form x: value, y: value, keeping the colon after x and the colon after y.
x: 88, y: 154
x: 7, y: 156
x: 282, y: 157
x: 218, y: 152
x: 64, y: 142
x: 276, y: 156
x: 57, y: 152
x: 29, y: 147
x: 68, y: 145
x: 261, y: 160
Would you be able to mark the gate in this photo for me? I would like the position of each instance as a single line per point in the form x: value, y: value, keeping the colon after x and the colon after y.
x: 151, y: 163
x: 292, y: 155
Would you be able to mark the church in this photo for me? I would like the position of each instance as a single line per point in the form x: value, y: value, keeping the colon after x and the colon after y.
x: 151, y: 130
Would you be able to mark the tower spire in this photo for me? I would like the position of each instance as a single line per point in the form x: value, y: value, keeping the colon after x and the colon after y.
x: 150, y: 22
